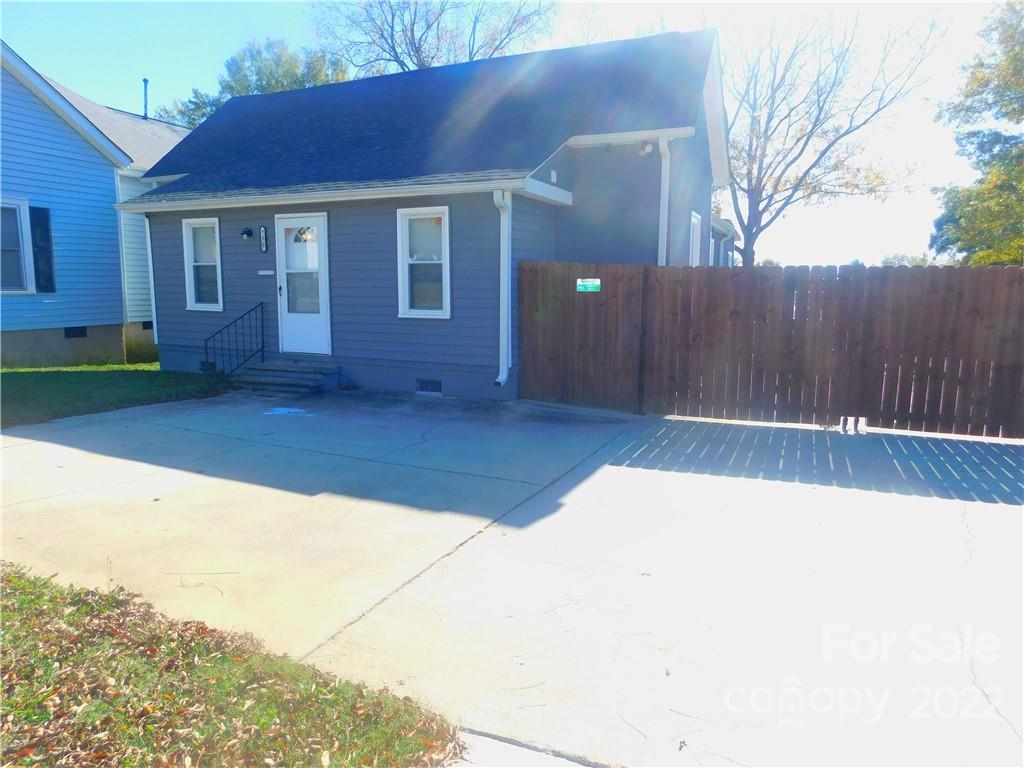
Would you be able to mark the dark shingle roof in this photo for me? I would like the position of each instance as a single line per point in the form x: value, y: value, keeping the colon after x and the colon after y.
x: 498, y: 115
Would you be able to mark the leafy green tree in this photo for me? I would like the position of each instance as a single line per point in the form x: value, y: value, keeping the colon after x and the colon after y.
x: 984, y: 222
x: 905, y: 260
x: 264, y: 67
x: 768, y: 263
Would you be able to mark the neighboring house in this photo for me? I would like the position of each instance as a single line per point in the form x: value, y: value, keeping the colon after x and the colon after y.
x: 379, y: 222
x: 75, y: 272
x: 723, y: 241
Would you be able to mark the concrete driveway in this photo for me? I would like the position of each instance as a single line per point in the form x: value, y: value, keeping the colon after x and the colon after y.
x: 620, y: 589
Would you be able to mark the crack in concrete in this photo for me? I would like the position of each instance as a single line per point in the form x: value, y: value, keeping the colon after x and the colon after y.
x: 463, y: 543
x: 967, y: 528
x: 981, y: 689
x: 567, y: 756
x: 724, y: 757
x: 422, y: 441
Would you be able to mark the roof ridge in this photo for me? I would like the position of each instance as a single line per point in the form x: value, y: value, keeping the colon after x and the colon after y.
x: 148, y: 118
x: 480, y: 62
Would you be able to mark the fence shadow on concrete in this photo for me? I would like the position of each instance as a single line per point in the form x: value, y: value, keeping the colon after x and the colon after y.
x: 905, y: 464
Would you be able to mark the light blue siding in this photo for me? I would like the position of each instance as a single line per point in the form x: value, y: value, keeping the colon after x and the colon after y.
x: 614, y: 222
x: 134, y: 253
x: 690, y: 189
x: 370, y: 342
x: 47, y: 163
x: 534, y: 235
x: 616, y: 192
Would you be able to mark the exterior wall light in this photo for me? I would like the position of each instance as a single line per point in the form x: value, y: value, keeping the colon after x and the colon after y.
x: 246, y: 233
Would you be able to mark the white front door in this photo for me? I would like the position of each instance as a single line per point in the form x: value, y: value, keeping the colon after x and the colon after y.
x: 303, y: 287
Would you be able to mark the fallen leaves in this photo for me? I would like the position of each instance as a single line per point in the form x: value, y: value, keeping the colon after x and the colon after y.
x: 101, y: 679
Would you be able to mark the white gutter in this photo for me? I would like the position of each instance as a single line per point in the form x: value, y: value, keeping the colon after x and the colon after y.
x: 529, y: 187
x: 629, y: 137
x: 666, y: 167
x: 503, y: 202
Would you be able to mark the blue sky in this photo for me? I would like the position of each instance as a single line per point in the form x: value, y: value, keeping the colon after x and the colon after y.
x: 103, y: 50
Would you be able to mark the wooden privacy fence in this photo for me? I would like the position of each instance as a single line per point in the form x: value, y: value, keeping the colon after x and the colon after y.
x: 938, y: 349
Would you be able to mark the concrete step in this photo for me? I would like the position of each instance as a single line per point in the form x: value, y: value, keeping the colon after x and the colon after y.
x: 296, y: 367
x: 283, y: 376
x: 276, y: 384
x: 313, y: 379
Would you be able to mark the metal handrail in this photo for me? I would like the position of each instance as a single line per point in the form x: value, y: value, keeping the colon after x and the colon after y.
x: 238, y: 342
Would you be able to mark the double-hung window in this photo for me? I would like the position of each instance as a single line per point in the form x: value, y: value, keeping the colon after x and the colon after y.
x: 202, y: 264
x: 16, y: 266
x: 423, y: 263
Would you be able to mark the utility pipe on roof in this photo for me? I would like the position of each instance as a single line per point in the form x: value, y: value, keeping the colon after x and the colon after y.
x: 503, y: 202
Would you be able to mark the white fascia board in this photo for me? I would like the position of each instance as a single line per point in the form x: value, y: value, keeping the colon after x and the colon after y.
x: 714, y: 112
x: 546, y: 193
x: 536, y: 189
x: 52, y: 98
x: 629, y: 137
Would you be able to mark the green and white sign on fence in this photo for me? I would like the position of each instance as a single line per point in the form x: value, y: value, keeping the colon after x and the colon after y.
x: 588, y: 284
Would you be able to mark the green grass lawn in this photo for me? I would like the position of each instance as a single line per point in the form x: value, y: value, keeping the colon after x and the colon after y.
x: 29, y: 395
x: 100, y: 679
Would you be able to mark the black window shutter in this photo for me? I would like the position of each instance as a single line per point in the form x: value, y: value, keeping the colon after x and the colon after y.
x: 42, y: 249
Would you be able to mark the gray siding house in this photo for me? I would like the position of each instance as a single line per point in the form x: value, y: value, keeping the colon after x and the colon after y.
x: 75, y: 283
x: 376, y: 225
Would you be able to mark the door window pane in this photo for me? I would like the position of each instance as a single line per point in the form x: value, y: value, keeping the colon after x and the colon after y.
x: 205, y: 280
x: 12, y: 275
x: 301, y: 250
x: 425, y: 239
x: 204, y: 245
x: 304, y: 292
x: 426, y: 289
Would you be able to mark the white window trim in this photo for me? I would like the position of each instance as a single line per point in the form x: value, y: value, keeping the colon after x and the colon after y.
x: 403, y: 216
x: 695, y: 224
x: 186, y: 237
x: 28, y: 263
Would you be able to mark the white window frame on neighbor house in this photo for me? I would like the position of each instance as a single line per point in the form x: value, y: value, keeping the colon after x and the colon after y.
x: 695, y: 223
x: 405, y: 215
x: 28, y: 269
x: 187, y: 225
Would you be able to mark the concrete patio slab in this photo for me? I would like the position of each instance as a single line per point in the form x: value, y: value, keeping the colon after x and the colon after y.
x: 623, y: 590
x: 215, y: 511
x: 687, y: 617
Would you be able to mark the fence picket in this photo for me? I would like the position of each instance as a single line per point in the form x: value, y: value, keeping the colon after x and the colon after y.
x: 934, y: 349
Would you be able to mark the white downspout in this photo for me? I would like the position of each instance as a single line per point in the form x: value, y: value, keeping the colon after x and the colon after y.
x: 152, y: 281
x: 666, y: 166
x: 503, y: 202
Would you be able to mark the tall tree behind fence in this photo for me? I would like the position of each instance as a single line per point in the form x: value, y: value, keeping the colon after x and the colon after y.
x: 937, y: 349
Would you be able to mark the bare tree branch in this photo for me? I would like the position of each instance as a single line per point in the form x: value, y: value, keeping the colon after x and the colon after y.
x: 378, y: 36
x: 797, y: 108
